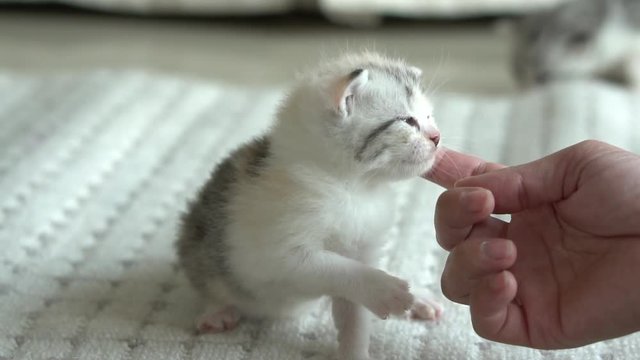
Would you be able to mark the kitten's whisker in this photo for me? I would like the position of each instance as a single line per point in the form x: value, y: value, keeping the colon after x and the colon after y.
x: 459, y: 172
x: 466, y: 143
x: 435, y: 74
x: 447, y: 174
x: 460, y: 142
x: 439, y: 86
x: 430, y: 90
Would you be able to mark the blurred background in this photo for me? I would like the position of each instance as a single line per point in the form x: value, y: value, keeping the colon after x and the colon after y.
x: 458, y: 43
x: 95, y: 166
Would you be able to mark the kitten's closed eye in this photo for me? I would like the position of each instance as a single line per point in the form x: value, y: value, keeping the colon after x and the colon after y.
x: 411, y: 121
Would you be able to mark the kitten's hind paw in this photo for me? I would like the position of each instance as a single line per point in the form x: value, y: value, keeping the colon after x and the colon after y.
x: 217, y: 320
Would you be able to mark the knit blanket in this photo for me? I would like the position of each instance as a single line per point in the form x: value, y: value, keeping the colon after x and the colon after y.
x: 95, y: 168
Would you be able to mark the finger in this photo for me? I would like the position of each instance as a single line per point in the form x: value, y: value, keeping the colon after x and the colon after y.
x: 472, y: 260
x: 549, y: 179
x: 451, y: 166
x: 494, y: 314
x: 457, y: 210
x: 489, y: 228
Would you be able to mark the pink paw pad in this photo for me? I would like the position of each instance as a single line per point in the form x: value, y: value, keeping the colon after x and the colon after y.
x: 425, y: 309
x: 219, y: 321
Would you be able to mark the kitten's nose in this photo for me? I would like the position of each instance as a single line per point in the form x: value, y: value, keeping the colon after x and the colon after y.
x: 435, y: 139
x: 433, y: 135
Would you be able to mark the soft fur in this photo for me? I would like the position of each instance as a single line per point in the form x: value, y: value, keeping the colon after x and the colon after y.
x: 302, y: 212
x: 581, y: 38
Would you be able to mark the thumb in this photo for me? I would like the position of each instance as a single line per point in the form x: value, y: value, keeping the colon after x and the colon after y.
x: 527, y: 186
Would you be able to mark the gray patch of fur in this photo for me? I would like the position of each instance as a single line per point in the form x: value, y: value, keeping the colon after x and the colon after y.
x: 258, y: 158
x: 573, y: 24
x: 404, y: 77
x: 400, y: 74
x: 535, y: 33
x: 202, y: 246
x: 371, y: 138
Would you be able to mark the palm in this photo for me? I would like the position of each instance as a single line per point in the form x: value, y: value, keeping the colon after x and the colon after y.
x: 567, y: 274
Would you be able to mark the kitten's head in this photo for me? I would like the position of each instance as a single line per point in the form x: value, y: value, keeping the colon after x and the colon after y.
x: 562, y: 42
x: 372, y: 116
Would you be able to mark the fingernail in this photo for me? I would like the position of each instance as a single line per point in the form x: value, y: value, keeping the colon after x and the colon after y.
x: 473, y: 200
x: 497, y: 250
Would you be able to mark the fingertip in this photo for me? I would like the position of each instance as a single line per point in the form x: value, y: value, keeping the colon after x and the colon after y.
x: 468, y: 264
x: 499, y: 251
x: 492, y: 294
x: 503, y: 284
x: 494, y: 315
x: 476, y: 200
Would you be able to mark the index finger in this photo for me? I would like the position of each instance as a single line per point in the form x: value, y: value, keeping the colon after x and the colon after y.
x: 451, y: 166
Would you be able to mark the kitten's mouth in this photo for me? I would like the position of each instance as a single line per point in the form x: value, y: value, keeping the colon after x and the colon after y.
x: 421, y: 158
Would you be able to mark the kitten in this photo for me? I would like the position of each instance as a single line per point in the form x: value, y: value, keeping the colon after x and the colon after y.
x: 580, y: 38
x: 301, y: 213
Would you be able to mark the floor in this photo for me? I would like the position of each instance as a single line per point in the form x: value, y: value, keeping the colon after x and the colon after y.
x: 462, y: 57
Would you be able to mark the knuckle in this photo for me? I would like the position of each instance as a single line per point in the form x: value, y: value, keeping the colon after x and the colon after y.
x: 442, y: 200
x: 480, y: 329
x: 592, y: 146
x: 445, y: 286
x: 443, y: 241
x: 590, y: 143
x: 450, y: 283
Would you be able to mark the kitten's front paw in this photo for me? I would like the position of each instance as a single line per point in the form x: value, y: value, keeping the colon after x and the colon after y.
x: 425, y: 307
x: 217, y: 321
x: 386, y: 295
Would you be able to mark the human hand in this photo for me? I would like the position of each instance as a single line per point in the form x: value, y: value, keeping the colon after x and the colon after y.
x: 563, y: 272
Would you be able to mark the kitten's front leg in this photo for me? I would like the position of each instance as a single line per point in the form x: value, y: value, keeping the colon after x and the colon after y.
x: 326, y: 273
x: 353, y: 323
x: 353, y: 286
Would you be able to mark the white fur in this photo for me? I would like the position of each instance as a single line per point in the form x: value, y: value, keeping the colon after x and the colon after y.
x: 314, y: 220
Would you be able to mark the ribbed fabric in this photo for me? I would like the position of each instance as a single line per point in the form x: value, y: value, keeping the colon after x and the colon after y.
x: 95, y: 167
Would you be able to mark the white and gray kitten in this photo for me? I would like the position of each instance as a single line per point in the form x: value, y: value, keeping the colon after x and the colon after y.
x: 302, y: 212
x: 580, y: 38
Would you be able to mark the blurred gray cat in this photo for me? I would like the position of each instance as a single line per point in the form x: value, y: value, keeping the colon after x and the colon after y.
x: 580, y: 38
x: 302, y: 213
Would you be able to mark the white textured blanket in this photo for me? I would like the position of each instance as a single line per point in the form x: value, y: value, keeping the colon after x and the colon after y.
x: 95, y: 167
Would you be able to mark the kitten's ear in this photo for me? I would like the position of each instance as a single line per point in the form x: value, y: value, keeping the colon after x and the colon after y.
x: 346, y: 90
x: 416, y: 71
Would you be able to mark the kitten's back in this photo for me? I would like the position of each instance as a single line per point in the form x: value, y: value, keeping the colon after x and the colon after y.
x: 202, y: 247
